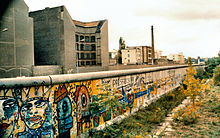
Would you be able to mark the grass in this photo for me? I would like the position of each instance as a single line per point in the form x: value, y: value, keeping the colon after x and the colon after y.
x: 208, y: 124
x: 145, y: 120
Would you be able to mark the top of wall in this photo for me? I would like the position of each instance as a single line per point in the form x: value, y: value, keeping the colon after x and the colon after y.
x: 67, y: 78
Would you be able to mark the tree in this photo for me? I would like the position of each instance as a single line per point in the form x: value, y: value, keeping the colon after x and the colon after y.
x: 216, y: 76
x: 193, y: 86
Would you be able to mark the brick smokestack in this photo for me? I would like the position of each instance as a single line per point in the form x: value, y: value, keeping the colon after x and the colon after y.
x: 152, y: 42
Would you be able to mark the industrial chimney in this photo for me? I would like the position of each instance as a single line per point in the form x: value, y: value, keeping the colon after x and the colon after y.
x: 152, y: 43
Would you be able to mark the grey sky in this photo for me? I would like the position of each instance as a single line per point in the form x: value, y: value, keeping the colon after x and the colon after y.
x: 188, y: 26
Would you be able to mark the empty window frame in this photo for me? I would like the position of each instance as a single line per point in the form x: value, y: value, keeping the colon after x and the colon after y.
x: 87, y: 38
x: 87, y: 48
x: 93, y: 55
x: 82, y: 56
x: 92, y: 38
x: 82, y: 38
x: 93, y: 47
x: 81, y: 47
x: 87, y: 62
x: 93, y: 62
x: 77, y: 38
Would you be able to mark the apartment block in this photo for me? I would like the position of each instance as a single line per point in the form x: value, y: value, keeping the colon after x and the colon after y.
x: 137, y: 55
x: 70, y: 44
x: 16, y: 41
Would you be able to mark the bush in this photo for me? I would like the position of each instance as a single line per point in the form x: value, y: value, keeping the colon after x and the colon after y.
x: 201, y: 73
x: 216, y: 76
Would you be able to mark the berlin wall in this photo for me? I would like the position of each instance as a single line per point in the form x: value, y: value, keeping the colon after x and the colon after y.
x: 56, y: 106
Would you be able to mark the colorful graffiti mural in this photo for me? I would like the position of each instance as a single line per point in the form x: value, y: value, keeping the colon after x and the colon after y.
x: 62, y: 109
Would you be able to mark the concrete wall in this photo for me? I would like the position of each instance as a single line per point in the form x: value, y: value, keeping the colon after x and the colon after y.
x: 54, y: 38
x: 16, y: 40
x: 47, y: 70
x: 104, y: 44
x: 56, y: 105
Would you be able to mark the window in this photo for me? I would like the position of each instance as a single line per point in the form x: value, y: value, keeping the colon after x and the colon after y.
x: 77, y: 46
x: 77, y: 56
x: 82, y: 55
x: 92, y: 38
x: 93, y: 62
x: 77, y: 38
x: 87, y: 56
x: 87, y: 38
x: 82, y: 38
x: 128, y: 55
x: 82, y: 63
x: 128, y: 60
x: 93, y: 56
x: 81, y: 47
x: 93, y: 47
x: 87, y: 63
x: 87, y: 47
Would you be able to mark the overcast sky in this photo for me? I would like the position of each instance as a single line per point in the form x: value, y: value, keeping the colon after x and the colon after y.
x: 188, y: 26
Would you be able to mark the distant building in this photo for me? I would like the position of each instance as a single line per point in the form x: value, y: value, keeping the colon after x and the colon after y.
x: 16, y: 41
x: 158, y: 54
x: 177, y: 58
x: 113, y: 55
x: 137, y: 55
x: 92, y: 43
x: 70, y: 44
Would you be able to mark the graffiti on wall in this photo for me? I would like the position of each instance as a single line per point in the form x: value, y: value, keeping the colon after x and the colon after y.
x: 62, y: 110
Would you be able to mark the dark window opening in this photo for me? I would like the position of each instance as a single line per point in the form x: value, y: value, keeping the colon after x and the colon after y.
x: 93, y: 47
x: 87, y: 48
x: 77, y: 38
x: 77, y: 46
x: 81, y: 38
x: 92, y: 38
x: 93, y: 62
x: 87, y: 63
x: 82, y: 63
x: 93, y: 56
x: 81, y: 47
x: 87, y: 56
x: 87, y: 38
x: 82, y: 55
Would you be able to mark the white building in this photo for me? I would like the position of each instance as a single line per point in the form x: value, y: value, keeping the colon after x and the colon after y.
x: 158, y: 54
x: 137, y: 55
x: 177, y: 58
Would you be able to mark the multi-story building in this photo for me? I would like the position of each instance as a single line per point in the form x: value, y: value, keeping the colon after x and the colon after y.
x: 177, y: 58
x: 137, y: 55
x: 158, y: 54
x: 70, y: 44
x: 91, y: 43
x: 16, y: 41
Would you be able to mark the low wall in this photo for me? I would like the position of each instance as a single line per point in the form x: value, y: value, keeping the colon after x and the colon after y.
x: 46, y: 70
x: 56, y: 105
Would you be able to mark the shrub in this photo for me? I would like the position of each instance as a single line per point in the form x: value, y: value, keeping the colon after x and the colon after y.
x: 216, y: 76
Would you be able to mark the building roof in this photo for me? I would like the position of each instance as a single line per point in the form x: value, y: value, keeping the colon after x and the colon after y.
x: 133, y: 47
x: 86, y: 24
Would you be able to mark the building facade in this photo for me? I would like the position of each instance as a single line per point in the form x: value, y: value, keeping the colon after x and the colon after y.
x: 16, y: 41
x: 70, y: 44
x: 137, y: 55
x: 177, y: 58
x: 91, y: 43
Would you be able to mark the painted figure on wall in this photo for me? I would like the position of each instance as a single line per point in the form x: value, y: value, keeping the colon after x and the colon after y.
x: 64, y: 111
x: 8, y: 113
x: 82, y: 100
x: 36, y: 112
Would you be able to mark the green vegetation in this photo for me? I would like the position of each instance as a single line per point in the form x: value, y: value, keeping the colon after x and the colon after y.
x: 145, y: 120
x: 216, y: 76
x: 211, y: 64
